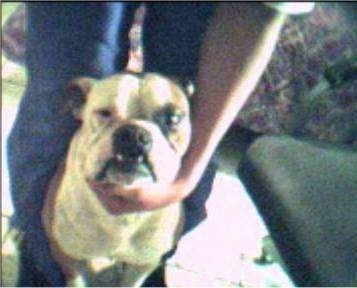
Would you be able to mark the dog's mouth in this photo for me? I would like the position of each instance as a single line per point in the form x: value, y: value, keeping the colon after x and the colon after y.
x: 127, y: 170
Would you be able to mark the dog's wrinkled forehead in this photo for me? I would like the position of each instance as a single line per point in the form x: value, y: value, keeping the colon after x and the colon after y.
x: 136, y: 95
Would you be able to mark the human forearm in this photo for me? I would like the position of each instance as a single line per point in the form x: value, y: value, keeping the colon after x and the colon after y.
x: 236, y: 49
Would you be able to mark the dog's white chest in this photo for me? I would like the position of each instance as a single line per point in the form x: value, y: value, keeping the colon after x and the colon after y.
x: 84, y: 231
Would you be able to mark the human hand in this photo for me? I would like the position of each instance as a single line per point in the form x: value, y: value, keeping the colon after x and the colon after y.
x: 118, y: 200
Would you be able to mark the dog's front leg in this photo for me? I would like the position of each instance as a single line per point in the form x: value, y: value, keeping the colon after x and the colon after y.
x: 77, y: 274
x: 76, y: 281
x: 135, y: 275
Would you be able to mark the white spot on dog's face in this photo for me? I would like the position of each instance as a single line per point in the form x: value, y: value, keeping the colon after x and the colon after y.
x: 137, y: 100
x: 158, y: 90
x: 116, y: 94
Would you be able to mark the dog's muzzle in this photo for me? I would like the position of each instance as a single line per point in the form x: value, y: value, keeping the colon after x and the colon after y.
x: 131, y: 146
x: 132, y: 142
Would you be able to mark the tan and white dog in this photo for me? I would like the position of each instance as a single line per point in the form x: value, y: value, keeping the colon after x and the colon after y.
x: 135, y: 129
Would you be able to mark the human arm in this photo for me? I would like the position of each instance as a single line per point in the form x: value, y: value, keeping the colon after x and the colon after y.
x: 235, y: 52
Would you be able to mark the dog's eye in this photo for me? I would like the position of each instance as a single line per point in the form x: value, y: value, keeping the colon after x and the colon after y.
x: 103, y: 114
x: 172, y: 119
x: 172, y: 116
x: 169, y: 118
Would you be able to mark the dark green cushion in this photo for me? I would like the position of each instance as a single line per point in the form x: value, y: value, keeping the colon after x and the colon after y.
x: 307, y: 194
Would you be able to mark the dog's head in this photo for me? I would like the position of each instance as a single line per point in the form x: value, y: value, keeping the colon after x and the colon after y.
x: 135, y: 128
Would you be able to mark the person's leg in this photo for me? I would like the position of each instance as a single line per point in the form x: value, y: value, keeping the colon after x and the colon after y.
x: 172, y: 36
x: 63, y: 40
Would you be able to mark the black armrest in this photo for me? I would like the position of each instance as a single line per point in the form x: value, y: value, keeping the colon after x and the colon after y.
x: 306, y: 193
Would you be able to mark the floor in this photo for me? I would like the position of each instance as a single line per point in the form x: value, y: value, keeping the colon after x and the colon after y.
x: 231, y: 237
x: 219, y: 252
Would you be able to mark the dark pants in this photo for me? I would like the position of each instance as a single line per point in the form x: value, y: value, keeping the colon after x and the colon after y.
x: 65, y: 40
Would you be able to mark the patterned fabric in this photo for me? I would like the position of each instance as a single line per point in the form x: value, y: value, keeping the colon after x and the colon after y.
x: 13, y: 36
x: 309, y: 87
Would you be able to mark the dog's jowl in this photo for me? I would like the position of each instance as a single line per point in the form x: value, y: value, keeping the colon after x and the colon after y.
x: 134, y: 130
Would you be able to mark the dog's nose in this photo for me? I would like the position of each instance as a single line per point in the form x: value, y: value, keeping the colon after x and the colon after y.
x: 132, y: 141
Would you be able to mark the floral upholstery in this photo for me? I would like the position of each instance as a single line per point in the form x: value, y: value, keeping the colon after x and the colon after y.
x: 310, y: 85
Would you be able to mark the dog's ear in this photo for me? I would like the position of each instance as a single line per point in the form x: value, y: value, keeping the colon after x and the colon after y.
x: 186, y: 85
x: 189, y: 87
x: 77, y: 91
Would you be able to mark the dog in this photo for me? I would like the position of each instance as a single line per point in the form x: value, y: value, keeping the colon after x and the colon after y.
x: 135, y: 129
